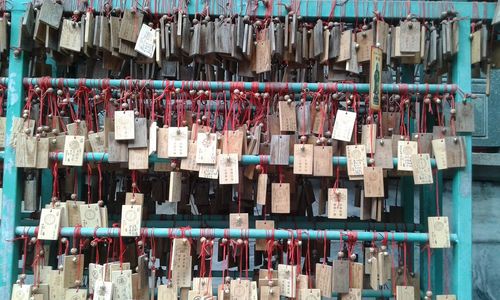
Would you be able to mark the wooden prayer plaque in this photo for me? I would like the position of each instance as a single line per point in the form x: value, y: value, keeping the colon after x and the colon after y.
x: 324, y: 279
x: 337, y: 203
x: 280, y: 198
x: 405, y: 292
x: 439, y: 232
x: 280, y: 150
x: 323, y: 161
x: 422, y: 170
x: 303, y: 159
x: 373, y: 182
x: 340, y: 277
x: 287, y: 116
x: 405, y: 150
x: 260, y: 244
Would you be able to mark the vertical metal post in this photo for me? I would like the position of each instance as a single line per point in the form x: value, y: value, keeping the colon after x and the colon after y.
x: 12, y: 182
x: 462, y: 180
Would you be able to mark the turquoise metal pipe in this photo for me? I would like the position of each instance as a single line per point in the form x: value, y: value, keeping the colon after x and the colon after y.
x: 347, y: 10
x: 249, y: 233
x: 245, y: 159
x: 252, y: 86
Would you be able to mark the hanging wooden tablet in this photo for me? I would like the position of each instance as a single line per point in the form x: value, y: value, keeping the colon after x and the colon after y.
x: 202, y: 286
x: 373, y: 265
x: 405, y: 292
x: 174, y: 191
x: 365, y: 43
x: 260, y: 244
x: 240, y: 289
x: 124, y: 125
x: 166, y: 292
x: 464, y: 117
x: 280, y: 150
x: 475, y: 47
x: 376, y: 67
x: 310, y: 294
x: 345, y: 46
x: 356, y: 276
x: 455, y: 152
x: 422, y: 170
x: 287, y: 275
x: 383, y: 154
x: 405, y: 150
x: 97, y: 142
x: 42, y: 153
x: 228, y: 169
x: 26, y: 147
x: 439, y: 232
x: 439, y: 151
x: 146, y: 44
x: 238, y: 221
x: 73, y: 212
x: 324, y: 279
x: 76, y: 294
x: 90, y: 215
x: 352, y: 65
x: 55, y: 282
x: 189, y: 163
x: 353, y: 294
x: 381, y: 35
x: 206, y: 150
x: 71, y: 36
x: 117, y: 151
x: 162, y: 145
x: 181, y: 265
x: 233, y: 142
x: 269, y: 293
x: 287, y: 116
x: 140, y: 134
x: 356, y: 160
x: 409, y: 40
x: 21, y: 291
x: 344, y: 125
x: 303, y: 159
x: 122, y: 284
x: 138, y: 159
x: 50, y: 219
x: 369, y: 136
x: 373, y: 182
x: 131, y: 220
x: 337, y: 203
x: 104, y: 290
x: 323, y: 161
x: 96, y: 273
x: 73, y: 266
x: 177, y: 142
x: 280, y: 198
x: 262, y: 189
x: 340, y: 277
x: 210, y: 171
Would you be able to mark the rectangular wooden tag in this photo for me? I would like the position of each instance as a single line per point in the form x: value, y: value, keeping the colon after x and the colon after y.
x: 104, y: 290
x: 228, y: 169
x: 73, y: 150
x: 287, y: 116
x: 369, y: 137
x: 424, y: 141
x: 118, y: 151
x: 90, y: 215
x: 73, y: 266
x: 303, y: 159
x: 122, y: 284
x: 324, y: 279
x: 365, y: 40
x: 409, y: 39
x: 269, y: 293
x: 345, y: 46
x: 189, y: 163
x: 50, y: 219
x: 353, y: 294
x: 206, y: 150
x: 376, y: 65
x: 238, y: 221
x: 280, y: 198
x: 446, y: 297
x: 422, y: 170
x: 76, y: 294
x: 373, y: 182
x: 405, y: 150
x: 287, y: 275
x: 42, y: 153
x: 146, y: 44
x: 134, y: 199
x: 233, y: 142
x: 405, y: 292
x: 153, y: 134
x: 384, y: 268
x: 260, y: 244
x: 439, y: 232
x: 162, y: 145
x: 210, y: 171
x: 203, y: 286
x: 131, y: 220
x: 97, y: 141
x: 55, y: 281
x: 181, y: 265
x: 439, y: 151
x: 96, y: 273
x: 263, y: 56
x: 323, y: 161
x: 344, y: 125
x: 310, y: 294
x: 174, y: 191
x: 383, y: 154
x: 240, y: 289
x: 464, y: 116
x: 337, y: 203
x: 26, y: 148
x: 138, y: 159
x: 475, y: 47
x: 177, y: 142
x: 262, y: 189
x: 71, y: 35
x: 356, y: 159
x: 280, y: 150
x: 140, y: 134
x: 340, y: 277
x: 21, y: 291
x: 356, y: 277
x: 455, y: 152
x: 124, y: 125
x: 166, y: 292
x: 73, y: 212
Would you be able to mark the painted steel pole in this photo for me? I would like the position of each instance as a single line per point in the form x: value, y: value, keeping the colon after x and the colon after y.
x: 12, y: 182
x: 461, y: 222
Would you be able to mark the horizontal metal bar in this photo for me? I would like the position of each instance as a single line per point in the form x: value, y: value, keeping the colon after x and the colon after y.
x: 252, y: 86
x: 249, y: 233
x: 347, y: 10
x: 245, y: 159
